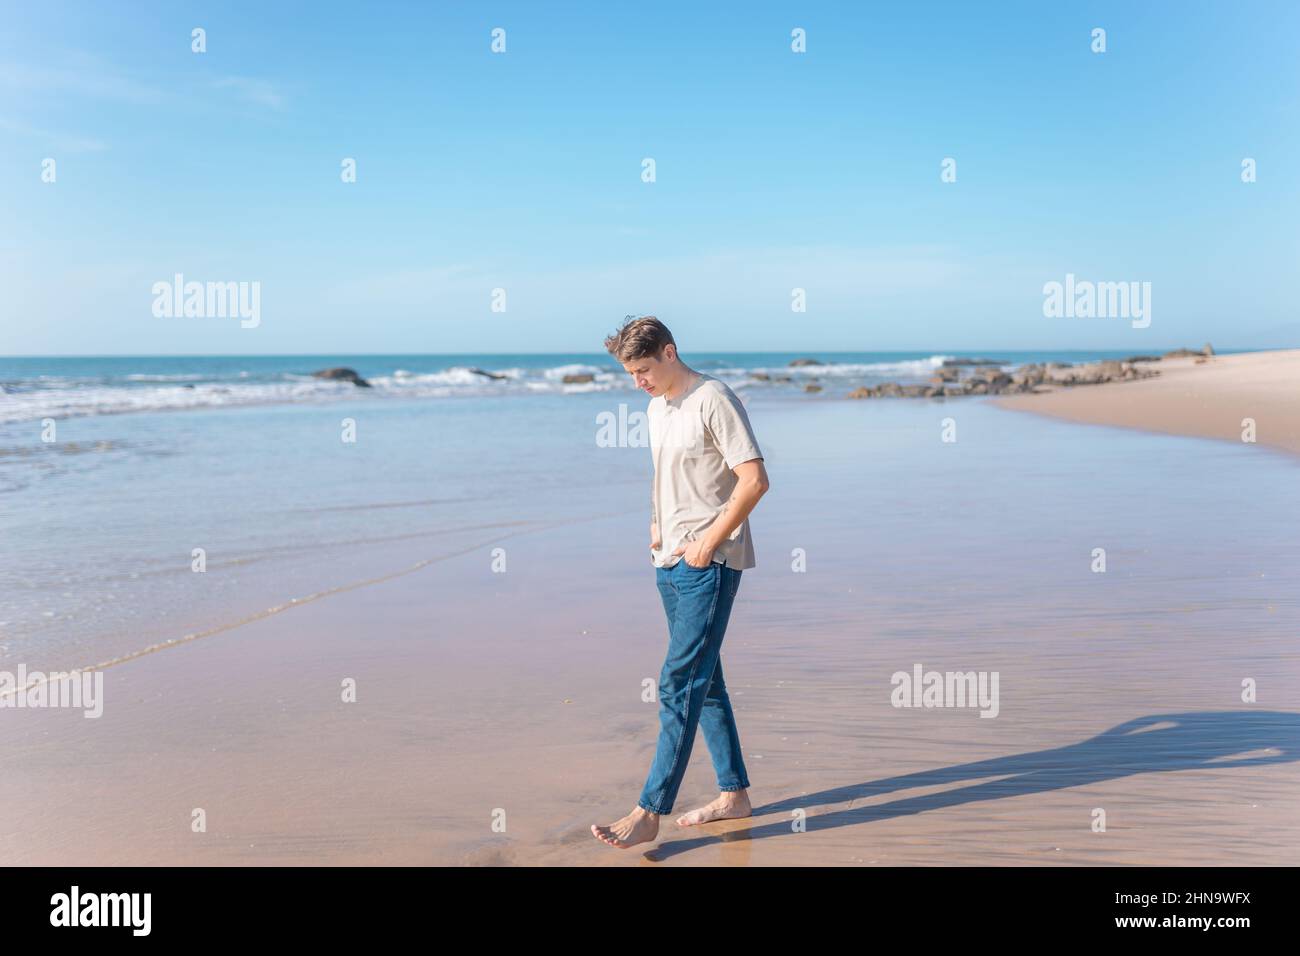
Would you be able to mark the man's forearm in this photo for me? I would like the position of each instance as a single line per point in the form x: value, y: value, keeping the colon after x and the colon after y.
x: 743, y: 499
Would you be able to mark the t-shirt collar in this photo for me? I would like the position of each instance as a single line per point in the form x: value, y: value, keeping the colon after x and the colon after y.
x: 676, y: 402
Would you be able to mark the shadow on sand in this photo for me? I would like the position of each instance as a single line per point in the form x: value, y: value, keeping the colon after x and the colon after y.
x: 1161, y: 743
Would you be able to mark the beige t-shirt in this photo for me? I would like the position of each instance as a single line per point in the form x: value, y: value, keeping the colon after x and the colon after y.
x: 695, y: 441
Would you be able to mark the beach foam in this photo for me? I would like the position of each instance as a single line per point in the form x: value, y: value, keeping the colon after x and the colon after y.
x: 120, y: 389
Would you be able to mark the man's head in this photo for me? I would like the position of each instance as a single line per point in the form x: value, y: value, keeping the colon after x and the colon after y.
x: 646, y: 350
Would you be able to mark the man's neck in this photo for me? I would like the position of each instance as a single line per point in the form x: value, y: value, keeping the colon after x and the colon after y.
x: 683, y: 383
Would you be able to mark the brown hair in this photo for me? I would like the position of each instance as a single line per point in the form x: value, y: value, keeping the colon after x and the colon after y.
x: 638, y: 338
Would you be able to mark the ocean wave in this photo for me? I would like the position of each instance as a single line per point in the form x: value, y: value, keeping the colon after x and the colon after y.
x: 117, y: 400
x: 54, y: 396
x: 915, y: 367
x: 559, y: 371
x: 163, y: 378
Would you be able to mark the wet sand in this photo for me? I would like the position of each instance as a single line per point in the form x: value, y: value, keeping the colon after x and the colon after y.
x: 1208, y: 399
x: 486, y: 699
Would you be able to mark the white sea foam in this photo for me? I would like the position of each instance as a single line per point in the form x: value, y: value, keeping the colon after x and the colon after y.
x: 907, y: 367
x: 163, y: 378
x: 110, y: 400
x: 53, y: 396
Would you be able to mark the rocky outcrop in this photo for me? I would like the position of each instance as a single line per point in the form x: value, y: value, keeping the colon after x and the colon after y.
x: 495, y: 376
x: 577, y: 378
x: 987, y: 379
x: 797, y: 363
x: 343, y: 375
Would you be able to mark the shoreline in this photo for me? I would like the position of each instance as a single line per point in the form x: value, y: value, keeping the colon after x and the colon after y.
x: 1206, y: 399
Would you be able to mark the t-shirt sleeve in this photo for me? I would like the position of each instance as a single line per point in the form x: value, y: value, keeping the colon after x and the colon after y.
x: 729, y: 427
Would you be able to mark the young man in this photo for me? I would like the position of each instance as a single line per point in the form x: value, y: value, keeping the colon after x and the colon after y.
x: 708, y: 476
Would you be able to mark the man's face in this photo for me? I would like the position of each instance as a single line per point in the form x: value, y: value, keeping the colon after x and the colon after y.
x: 653, y: 374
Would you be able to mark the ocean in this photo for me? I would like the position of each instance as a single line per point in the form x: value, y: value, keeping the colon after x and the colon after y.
x: 35, y: 388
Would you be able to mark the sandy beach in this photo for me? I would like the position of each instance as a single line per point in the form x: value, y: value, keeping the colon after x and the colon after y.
x: 1208, y: 399
x: 499, y: 715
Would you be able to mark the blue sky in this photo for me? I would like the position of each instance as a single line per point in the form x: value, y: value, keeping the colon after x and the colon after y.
x: 522, y: 171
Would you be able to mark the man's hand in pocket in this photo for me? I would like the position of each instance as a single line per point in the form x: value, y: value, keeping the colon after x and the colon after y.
x: 695, y: 553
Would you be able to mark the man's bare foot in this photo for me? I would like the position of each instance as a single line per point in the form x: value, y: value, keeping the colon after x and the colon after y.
x: 639, y: 826
x: 730, y: 805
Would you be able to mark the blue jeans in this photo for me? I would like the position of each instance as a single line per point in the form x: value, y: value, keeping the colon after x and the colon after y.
x: 691, y: 690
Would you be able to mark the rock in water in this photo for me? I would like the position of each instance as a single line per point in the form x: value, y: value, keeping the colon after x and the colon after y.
x: 343, y: 374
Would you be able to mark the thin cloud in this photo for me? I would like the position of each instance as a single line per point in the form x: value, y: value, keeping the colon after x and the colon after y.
x: 253, y: 90
x: 55, y: 141
x: 407, y: 287
x: 85, y: 76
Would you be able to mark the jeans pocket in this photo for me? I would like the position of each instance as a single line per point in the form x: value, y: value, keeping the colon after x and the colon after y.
x: 691, y: 570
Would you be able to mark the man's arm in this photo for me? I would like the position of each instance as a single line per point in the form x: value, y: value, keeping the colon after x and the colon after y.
x: 751, y: 485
